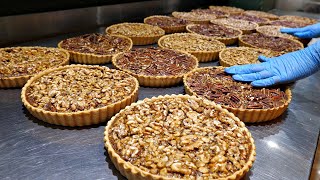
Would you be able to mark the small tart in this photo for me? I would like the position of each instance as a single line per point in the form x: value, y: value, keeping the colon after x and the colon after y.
x: 224, y: 34
x: 246, y: 102
x: 251, y: 18
x: 299, y: 19
x: 95, y: 48
x: 262, y: 14
x: 274, y: 31
x: 203, y: 47
x: 243, y: 55
x: 168, y: 23
x: 195, y: 17
x: 78, y: 95
x: 156, y: 67
x: 245, y: 26
x: 227, y: 9
x: 179, y: 137
x: 19, y: 64
x: 289, y: 23
x: 139, y: 33
x: 279, y: 44
x: 217, y: 13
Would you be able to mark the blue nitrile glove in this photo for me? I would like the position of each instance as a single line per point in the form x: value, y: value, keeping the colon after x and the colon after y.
x: 311, y: 31
x: 278, y: 70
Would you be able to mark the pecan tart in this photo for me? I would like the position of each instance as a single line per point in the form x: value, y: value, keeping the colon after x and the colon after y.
x: 168, y: 23
x: 245, y: 26
x: 203, y: 47
x: 246, y: 102
x: 195, y: 17
x: 251, y: 18
x: 243, y: 55
x: 78, y: 95
x: 19, y: 64
x: 155, y: 67
x: 224, y: 34
x: 262, y: 14
x: 307, y: 20
x: 95, y: 48
x: 217, y: 13
x: 289, y: 23
x: 179, y: 137
x: 279, y: 44
x: 139, y: 33
x: 227, y: 9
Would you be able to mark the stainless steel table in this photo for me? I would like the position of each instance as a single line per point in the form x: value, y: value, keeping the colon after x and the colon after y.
x: 32, y: 149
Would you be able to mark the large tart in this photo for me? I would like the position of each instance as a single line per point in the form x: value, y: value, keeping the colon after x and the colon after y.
x: 227, y: 9
x: 217, y: 13
x: 95, y: 48
x: 156, y: 67
x: 78, y: 95
x: 179, y: 137
x: 139, y: 33
x: 299, y: 19
x: 225, y: 34
x: 19, y: 64
x: 245, y: 26
x: 251, y: 18
x: 243, y: 55
x: 195, y: 17
x: 273, y: 43
x: 168, y: 23
x: 246, y: 102
x: 262, y: 14
x: 203, y: 47
x: 289, y: 23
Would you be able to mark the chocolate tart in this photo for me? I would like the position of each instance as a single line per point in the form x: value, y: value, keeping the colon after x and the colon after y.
x: 139, y: 33
x: 227, y: 9
x: 195, y: 17
x: 246, y: 27
x: 202, y: 47
x: 217, y: 13
x: 19, y: 64
x: 78, y: 95
x: 262, y: 14
x: 222, y: 33
x: 179, y: 137
x: 288, y: 23
x: 155, y: 67
x: 307, y: 20
x: 95, y: 48
x: 251, y: 18
x: 168, y: 23
x: 279, y: 44
x: 244, y: 101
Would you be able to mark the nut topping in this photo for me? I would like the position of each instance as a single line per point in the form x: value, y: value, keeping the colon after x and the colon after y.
x: 214, y: 30
x: 135, y: 30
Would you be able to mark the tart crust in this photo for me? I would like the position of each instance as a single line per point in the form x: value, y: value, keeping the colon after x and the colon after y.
x: 246, y: 115
x: 143, y: 39
x: 78, y: 118
x: 19, y: 81
x: 156, y: 81
x: 92, y: 58
x: 168, y: 29
x: 201, y: 55
x: 131, y: 171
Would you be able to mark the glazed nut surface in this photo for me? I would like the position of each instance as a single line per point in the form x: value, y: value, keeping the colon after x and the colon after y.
x: 165, y: 21
x: 274, y: 31
x: 236, y: 23
x: 135, y: 30
x: 194, y: 16
x: 214, y: 30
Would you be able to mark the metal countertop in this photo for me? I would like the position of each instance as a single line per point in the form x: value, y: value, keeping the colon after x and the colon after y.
x: 33, y: 149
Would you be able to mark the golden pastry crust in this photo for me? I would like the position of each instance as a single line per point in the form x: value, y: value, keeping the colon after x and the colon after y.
x: 139, y: 33
x: 228, y: 9
x: 168, y: 23
x: 195, y: 17
x: 204, y: 48
x: 78, y: 95
x: 179, y: 137
x: 19, y: 64
x: 262, y: 14
x: 245, y: 26
x: 155, y: 67
x: 299, y: 19
x: 95, y: 48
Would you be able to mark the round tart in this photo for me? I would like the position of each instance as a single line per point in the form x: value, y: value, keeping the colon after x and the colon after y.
x: 251, y: 18
x: 204, y: 48
x: 78, y: 95
x: 195, y: 17
x: 245, y: 26
x: 179, y: 137
x: 217, y: 13
x: 19, y: 64
x: 224, y: 34
x: 227, y: 9
x: 262, y: 14
x: 274, y: 31
x: 156, y: 67
x: 246, y: 102
x: 168, y: 23
x: 139, y: 33
x: 95, y: 48
x: 299, y: 19
x: 243, y: 55
x: 289, y: 23
x: 279, y: 44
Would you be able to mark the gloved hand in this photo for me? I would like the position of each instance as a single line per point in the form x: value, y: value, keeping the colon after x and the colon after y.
x: 278, y: 70
x: 311, y: 31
